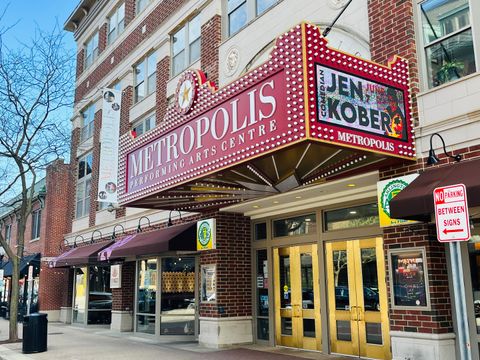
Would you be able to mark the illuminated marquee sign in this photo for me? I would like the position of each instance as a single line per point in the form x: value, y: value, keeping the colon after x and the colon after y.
x: 306, y: 91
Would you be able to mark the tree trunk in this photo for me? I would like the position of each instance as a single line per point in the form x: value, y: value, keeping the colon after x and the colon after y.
x: 13, y: 332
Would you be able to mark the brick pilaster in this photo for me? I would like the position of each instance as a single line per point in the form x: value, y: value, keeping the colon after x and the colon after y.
x: 102, y: 38
x: 163, y: 75
x: 129, y: 11
x: 123, y: 298
x: 97, y: 126
x: 80, y: 62
x: 211, y: 37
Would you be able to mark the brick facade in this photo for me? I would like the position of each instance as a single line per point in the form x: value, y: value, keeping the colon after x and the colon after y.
x: 80, y: 62
x: 123, y: 298
x: 102, y: 38
x: 163, y: 75
x: 211, y: 37
x: 97, y: 126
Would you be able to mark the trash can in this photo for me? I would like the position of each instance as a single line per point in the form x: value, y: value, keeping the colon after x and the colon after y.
x: 35, y: 333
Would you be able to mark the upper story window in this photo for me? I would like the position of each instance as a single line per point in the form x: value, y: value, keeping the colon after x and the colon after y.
x: 144, y: 125
x: 88, y: 115
x: 36, y: 220
x: 447, y: 40
x: 116, y: 23
x: 242, y: 11
x: 141, y: 5
x: 145, y: 76
x: 91, y: 50
x: 8, y: 233
x: 84, y: 185
x: 186, y: 46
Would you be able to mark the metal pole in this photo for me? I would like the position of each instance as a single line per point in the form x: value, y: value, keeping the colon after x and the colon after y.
x: 463, y: 337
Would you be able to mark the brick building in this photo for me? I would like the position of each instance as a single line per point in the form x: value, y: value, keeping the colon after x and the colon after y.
x: 44, y: 239
x: 301, y: 257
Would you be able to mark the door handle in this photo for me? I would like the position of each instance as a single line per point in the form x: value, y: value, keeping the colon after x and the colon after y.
x: 360, y: 313
x: 354, y: 313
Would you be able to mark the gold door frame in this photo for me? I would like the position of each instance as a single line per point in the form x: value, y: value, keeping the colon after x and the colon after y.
x: 297, y: 312
x: 356, y: 314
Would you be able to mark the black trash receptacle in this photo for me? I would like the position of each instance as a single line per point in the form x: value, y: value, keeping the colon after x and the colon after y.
x: 35, y: 333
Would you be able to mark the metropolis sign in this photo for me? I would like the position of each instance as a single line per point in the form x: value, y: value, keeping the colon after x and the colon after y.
x: 305, y: 92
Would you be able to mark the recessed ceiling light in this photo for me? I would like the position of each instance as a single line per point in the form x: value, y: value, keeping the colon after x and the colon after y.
x: 298, y: 197
x: 255, y: 206
x: 351, y: 185
x: 353, y: 212
x: 276, y: 202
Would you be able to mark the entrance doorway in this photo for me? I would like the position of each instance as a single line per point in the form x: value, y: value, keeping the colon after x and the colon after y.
x: 357, y: 298
x: 297, y: 297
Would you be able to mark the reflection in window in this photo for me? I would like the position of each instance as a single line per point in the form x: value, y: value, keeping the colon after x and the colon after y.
x: 448, y: 40
x: 262, y: 295
x: 299, y: 225
x: 308, y: 299
x: 353, y: 217
x: 99, y: 295
x: 178, y: 296
x: 370, y: 279
x: 474, y: 255
x: 285, y: 286
x: 146, y: 295
x: 186, y: 45
x: 340, y: 273
x: 260, y: 231
x: 80, y: 298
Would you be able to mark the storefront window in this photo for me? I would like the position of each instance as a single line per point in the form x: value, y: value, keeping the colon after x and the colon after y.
x: 260, y: 231
x: 262, y: 281
x: 448, y: 41
x: 352, y: 217
x: 79, y: 301
x: 474, y: 255
x: 99, y: 296
x: 146, y: 296
x: 299, y: 225
x: 178, y: 296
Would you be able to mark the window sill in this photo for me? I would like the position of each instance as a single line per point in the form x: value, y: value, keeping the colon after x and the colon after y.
x: 35, y: 240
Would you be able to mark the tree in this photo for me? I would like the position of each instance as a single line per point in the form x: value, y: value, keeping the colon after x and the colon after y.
x: 36, y: 89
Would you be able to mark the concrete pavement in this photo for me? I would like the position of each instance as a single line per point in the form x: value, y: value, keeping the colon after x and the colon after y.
x: 67, y: 342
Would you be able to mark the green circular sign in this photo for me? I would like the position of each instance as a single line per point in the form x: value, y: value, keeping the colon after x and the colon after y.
x: 389, y: 192
x: 204, y: 233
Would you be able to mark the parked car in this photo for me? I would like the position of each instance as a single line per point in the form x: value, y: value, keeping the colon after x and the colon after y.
x: 370, y: 298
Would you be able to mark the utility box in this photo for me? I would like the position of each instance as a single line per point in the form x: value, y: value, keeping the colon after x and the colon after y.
x: 35, y: 331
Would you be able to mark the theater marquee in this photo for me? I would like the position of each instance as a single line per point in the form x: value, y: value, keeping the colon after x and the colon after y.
x: 306, y: 93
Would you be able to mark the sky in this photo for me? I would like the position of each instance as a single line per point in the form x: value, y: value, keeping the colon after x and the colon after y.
x: 25, y: 14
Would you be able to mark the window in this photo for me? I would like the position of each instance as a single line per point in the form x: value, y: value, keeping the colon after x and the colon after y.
x: 298, y: 225
x: 186, y: 45
x: 145, y: 77
x: 91, y: 50
x: 141, y: 5
x: 144, y: 125
x: 241, y: 11
x: 87, y: 128
x: 8, y: 233
x: 352, y: 217
x: 84, y: 185
x: 447, y: 40
x: 36, y: 220
x: 116, y: 23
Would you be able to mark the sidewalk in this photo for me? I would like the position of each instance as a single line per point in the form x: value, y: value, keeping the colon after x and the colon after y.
x: 66, y: 342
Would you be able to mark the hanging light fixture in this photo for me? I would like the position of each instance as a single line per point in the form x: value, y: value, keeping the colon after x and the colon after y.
x: 433, y: 159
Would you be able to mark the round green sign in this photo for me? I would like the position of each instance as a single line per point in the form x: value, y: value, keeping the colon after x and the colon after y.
x: 204, y: 233
x: 389, y: 192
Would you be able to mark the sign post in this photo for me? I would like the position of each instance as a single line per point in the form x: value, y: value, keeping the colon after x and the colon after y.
x: 453, y: 225
x: 29, y: 288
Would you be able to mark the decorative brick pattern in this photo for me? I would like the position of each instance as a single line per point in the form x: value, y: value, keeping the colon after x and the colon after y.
x: 152, y: 22
x: 123, y: 298
x: 163, y: 75
x: 129, y: 11
x: 211, y: 37
x: 102, y: 38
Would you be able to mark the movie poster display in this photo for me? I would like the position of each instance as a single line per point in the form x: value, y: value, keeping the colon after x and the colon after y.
x: 409, y: 278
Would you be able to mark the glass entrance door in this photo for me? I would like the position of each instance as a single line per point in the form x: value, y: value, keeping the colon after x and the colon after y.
x: 357, y: 298
x: 297, y: 299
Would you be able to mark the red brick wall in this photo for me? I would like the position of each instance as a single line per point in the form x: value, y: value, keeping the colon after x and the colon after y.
x: 211, y: 37
x: 163, y: 75
x: 80, y: 62
x: 129, y: 11
x: 102, y: 38
x: 152, y: 22
x: 123, y: 298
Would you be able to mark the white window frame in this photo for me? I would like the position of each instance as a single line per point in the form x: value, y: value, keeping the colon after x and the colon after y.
x: 36, y: 223
x: 8, y: 233
x: 148, y: 119
x: 148, y: 82
x: 474, y: 7
x: 91, y: 50
x: 189, y: 42
x: 88, y: 117
x: 84, y: 182
x: 252, y: 13
x: 141, y: 5
x: 116, y: 23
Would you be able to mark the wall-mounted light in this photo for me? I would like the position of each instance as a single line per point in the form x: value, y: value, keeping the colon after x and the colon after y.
x: 432, y: 158
x: 170, y: 223
x: 114, y: 228
x: 75, y: 240
x: 139, y: 229
x: 95, y: 231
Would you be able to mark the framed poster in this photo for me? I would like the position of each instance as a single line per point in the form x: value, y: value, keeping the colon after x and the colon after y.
x: 209, y: 283
x: 116, y: 276
x: 409, y: 279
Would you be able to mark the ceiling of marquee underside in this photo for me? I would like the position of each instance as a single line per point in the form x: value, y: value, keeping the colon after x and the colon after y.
x: 302, y: 165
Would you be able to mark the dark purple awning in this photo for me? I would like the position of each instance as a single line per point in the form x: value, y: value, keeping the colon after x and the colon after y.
x: 175, y: 238
x: 415, y: 202
x: 82, y: 255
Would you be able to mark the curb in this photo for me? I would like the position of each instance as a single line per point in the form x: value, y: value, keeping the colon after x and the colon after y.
x: 9, y: 354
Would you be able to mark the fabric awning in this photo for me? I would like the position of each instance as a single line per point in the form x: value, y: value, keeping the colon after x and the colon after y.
x: 83, y: 255
x: 175, y: 238
x: 33, y: 259
x: 415, y: 202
